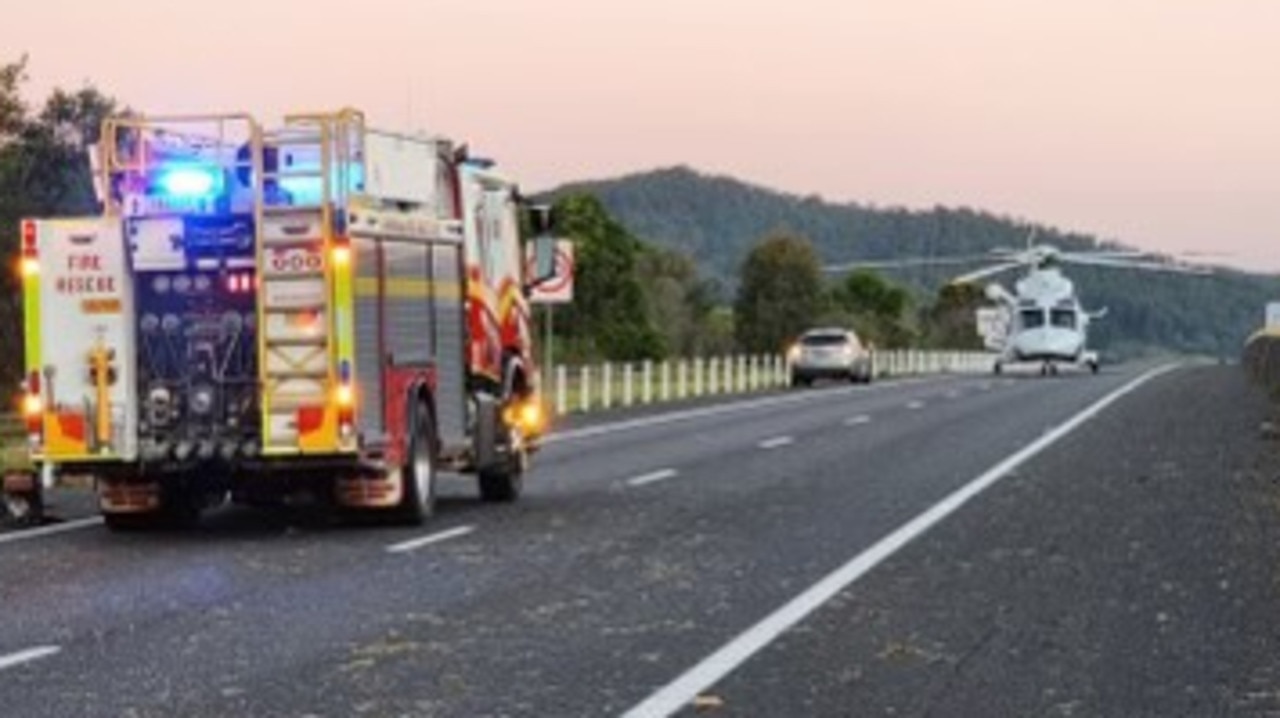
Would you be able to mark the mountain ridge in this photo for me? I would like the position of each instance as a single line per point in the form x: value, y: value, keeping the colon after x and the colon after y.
x: 716, y: 218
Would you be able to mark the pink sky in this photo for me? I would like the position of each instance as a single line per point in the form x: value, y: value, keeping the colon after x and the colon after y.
x: 1156, y: 122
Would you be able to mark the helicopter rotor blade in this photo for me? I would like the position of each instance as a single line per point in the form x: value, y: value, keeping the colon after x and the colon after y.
x: 1145, y: 266
x: 987, y: 272
x: 905, y: 263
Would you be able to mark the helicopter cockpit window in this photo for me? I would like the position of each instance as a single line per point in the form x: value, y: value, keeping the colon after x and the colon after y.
x: 1063, y: 318
x: 1032, y: 318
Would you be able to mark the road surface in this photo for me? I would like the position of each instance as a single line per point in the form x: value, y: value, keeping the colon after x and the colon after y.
x: 954, y: 546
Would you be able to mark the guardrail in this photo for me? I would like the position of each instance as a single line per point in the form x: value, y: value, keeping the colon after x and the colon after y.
x: 1262, y: 358
x: 586, y: 388
x: 572, y: 389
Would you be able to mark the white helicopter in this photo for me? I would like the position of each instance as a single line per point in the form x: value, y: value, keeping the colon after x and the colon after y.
x: 1042, y: 321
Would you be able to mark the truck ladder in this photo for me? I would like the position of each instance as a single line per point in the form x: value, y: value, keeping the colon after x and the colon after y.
x: 299, y: 244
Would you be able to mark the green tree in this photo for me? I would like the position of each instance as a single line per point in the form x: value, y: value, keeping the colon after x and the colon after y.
x: 608, y: 317
x: 779, y: 294
x: 678, y: 301
x: 876, y: 307
x: 951, y: 321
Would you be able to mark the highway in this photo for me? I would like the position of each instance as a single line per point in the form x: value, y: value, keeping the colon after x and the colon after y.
x: 948, y: 546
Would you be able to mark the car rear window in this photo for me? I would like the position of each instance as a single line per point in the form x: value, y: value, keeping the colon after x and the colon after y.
x: 824, y: 340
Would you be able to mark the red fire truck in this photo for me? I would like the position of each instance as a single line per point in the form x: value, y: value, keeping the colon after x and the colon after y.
x: 320, y: 310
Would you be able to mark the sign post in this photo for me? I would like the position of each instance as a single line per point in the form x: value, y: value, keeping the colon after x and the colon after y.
x: 557, y: 290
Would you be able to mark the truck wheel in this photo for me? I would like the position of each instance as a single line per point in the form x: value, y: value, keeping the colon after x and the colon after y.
x: 418, y: 500
x: 505, y: 482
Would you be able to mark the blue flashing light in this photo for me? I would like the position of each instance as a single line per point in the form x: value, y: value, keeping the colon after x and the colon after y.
x: 189, y: 181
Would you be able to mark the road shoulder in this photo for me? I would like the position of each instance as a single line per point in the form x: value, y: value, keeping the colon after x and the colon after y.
x: 1131, y: 570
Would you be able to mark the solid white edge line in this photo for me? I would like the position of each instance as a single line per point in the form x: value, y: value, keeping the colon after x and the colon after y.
x: 51, y: 529
x: 414, y: 544
x: 776, y: 442
x: 671, y: 417
x: 652, y: 477
x: 30, y: 654
x: 677, y: 694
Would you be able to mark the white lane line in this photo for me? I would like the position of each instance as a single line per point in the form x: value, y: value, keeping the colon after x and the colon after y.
x: 31, y: 654
x: 858, y: 420
x: 588, y: 432
x: 776, y: 442
x: 953, y: 395
x: 676, y: 695
x: 50, y: 530
x: 914, y: 405
x: 415, y: 544
x: 652, y: 477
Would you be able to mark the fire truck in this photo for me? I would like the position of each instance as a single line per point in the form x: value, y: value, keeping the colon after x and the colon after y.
x: 319, y: 311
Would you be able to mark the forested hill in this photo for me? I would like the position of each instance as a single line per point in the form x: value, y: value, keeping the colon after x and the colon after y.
x: 717, y: 219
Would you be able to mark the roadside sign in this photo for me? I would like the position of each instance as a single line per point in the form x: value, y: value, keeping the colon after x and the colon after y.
x: 559, y: 289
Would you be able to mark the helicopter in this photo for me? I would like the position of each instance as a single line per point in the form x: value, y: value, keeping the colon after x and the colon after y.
x: 1042, y: 321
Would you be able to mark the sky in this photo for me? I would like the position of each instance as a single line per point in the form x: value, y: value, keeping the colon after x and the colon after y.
x: 1154, y: 122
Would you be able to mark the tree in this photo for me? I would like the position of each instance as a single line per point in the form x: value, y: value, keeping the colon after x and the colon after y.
x: 877, y: 307
x: 679, y: 302
x: 951, y: 321
x: 608, y: 316
x: 779, y: 294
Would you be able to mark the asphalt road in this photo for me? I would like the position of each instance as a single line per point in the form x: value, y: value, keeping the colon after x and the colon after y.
x: 1125, y: 569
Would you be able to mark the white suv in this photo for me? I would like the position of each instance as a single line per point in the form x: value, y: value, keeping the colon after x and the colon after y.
x: 829, y: 354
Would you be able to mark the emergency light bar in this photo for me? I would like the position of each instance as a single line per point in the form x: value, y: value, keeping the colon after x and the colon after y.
x: 189, y: 181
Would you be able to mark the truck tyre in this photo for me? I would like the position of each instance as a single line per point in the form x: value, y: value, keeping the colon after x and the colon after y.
x: 418, y: 500
x: 505, y: 482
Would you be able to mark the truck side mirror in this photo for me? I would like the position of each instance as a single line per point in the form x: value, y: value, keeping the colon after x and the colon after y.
x: 541, y: 220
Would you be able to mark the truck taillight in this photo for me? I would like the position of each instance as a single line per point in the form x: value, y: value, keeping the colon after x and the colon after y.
x: 33, y: 405
x: 344, y: 396
x: 341, y: 254
x: 28, y: 238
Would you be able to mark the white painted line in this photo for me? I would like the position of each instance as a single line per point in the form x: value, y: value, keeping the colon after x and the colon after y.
x: 652, y: 477
x: 953, y: 395
x: 776, y: 442
x: 415, y: 544
x: 858, y: 420
x: 50, y: 530
x: 676, y: 695
x: 31, y: 654
x: 915, y: 405
x: 671, y: 417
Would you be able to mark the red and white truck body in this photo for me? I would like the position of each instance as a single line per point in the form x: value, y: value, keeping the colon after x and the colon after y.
x: 321, y: 309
